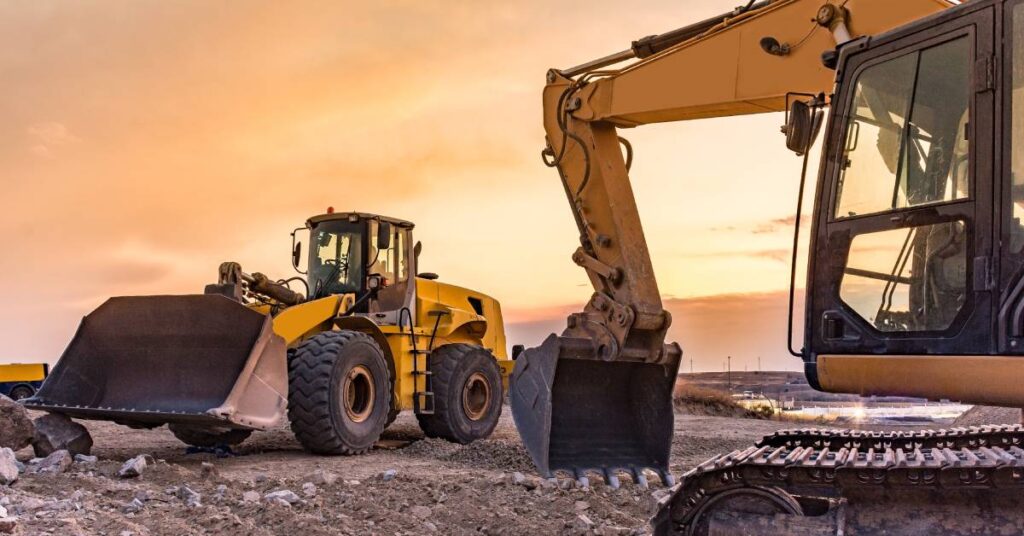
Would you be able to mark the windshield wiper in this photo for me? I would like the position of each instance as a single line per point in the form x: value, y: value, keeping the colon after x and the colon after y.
x: 321, y: 282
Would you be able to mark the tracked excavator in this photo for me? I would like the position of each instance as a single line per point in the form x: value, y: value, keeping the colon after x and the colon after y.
x: 343, y: 347
x: 915, y: 276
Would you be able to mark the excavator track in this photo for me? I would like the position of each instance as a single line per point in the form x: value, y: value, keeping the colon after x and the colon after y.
x: 1009, y: 435
x: 962, y: 481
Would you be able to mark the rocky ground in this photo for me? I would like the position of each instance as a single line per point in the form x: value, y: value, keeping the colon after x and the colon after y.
x: 410, y: 485
x: 422, y: 486
x: 980, y: 415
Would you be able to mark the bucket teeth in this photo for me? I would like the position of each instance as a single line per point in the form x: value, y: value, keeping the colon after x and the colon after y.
x: 611, y: 477
x: 640, y: 479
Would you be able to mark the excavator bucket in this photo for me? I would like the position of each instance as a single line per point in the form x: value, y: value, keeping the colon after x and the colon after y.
x: 581, y: 415
x: 198, y: 360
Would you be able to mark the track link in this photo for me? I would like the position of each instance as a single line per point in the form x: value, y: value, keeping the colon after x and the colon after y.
x: 954, y: 438
x: 831, y: 466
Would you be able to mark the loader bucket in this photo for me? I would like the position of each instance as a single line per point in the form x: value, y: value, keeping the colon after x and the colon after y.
x: 200, y: 360
x: 581, y: 415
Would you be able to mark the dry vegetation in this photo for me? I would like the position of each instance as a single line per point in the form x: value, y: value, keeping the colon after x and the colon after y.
x: 695, y: 400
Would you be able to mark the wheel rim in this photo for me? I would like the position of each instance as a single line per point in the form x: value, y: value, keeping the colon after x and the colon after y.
x: 476, y: 396
x: 358, y: 393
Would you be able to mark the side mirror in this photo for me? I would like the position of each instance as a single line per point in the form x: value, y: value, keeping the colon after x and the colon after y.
x: 297, y: 250
x: 802, y: 125
x: 296, y: 255
x: 383, y: 235
x: 417, y: 249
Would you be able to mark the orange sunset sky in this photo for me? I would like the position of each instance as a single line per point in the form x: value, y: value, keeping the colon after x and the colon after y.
x: 142, y: 143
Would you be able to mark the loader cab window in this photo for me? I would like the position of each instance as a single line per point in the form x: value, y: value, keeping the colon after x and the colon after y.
x: 393, y: 264
x: 906, y: 137
x: 336, y: 260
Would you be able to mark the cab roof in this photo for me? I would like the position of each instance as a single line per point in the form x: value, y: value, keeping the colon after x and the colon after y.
x: 357, y: 216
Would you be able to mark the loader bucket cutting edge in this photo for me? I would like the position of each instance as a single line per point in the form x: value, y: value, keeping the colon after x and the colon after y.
x: 202, y: 360
x: 584, y: 416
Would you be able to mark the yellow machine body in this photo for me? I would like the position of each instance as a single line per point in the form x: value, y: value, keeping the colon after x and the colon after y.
x: 23, y: 372
x: 445, y: 314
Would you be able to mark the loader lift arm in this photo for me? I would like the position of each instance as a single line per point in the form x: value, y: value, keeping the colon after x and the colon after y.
x: 598, y: 398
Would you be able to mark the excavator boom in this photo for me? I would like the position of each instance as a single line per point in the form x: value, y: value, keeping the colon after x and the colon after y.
x: 598, y: 398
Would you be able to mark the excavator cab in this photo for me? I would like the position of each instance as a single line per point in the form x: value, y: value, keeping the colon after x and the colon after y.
x: 903, y: 262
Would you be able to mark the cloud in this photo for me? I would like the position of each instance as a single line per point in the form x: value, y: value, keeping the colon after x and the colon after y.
x: 774, y: 225
x: 212, y: 143
x: 745, y: 326
x: 46, y: 137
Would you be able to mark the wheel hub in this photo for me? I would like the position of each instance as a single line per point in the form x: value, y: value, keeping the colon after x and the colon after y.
x: 358, y: 393
x: 476, y: 396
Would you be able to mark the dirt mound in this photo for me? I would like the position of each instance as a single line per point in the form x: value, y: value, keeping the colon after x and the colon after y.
x: 694, y: 400
x: 980, y: 415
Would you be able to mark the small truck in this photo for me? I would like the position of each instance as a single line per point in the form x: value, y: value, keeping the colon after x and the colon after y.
x: 21, y: 380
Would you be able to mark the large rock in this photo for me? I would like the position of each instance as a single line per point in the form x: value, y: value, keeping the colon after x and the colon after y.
x: 57, y: 432
x: 8, y: 467
x: 16, y: 428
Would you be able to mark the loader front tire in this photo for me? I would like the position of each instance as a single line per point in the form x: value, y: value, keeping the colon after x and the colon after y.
x: 209, y: 438
x: 339, y: 393
x: 467, y: 389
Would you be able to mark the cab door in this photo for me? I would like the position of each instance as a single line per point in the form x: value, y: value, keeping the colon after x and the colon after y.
x: 902, y: 260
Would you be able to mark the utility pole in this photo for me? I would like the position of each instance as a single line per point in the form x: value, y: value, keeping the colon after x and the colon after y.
x: 691, y: 365
x: 758, y: 364
x: 728, y: 374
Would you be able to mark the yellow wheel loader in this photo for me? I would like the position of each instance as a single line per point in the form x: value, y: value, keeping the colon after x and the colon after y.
x: 363, y: 337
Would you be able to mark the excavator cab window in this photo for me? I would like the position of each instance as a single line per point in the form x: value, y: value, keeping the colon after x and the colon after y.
x: 902, y: 260
x: 906, y: 143
x: 1017, y: 130
x: 336, y: 264
x: 906, y: 146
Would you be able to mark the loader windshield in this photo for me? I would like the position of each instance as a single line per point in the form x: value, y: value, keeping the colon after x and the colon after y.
x: 336, y: 264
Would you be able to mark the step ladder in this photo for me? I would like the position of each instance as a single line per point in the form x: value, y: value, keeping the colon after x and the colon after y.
x: 422, y: 399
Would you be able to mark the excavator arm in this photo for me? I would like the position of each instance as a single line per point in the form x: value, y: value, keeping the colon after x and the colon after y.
x: 598, y: 398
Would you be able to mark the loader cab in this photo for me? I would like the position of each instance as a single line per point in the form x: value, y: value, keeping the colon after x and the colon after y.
x: 366, y: 255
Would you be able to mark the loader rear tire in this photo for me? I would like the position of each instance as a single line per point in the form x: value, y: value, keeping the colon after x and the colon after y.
x: 208, y: 439
x: 468, y: 395
x: 339, y: 393
x: 392, y: 415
